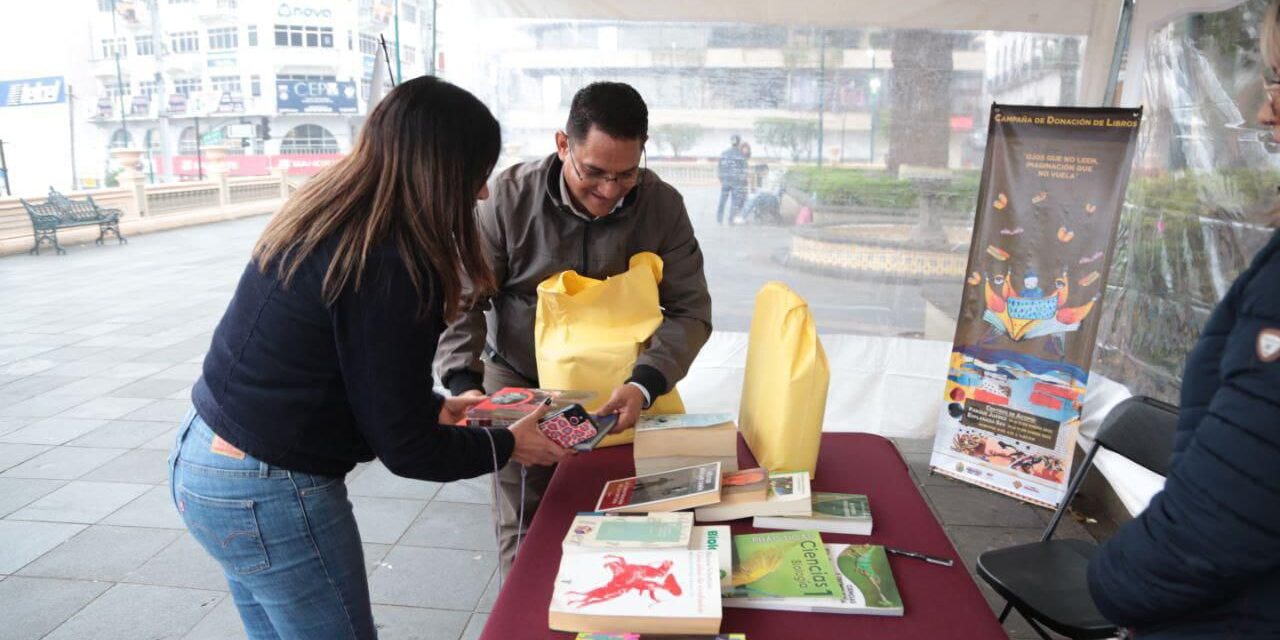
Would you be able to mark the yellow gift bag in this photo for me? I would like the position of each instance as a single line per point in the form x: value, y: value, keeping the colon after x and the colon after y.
x: 588, y: 332
x: 784, y: 391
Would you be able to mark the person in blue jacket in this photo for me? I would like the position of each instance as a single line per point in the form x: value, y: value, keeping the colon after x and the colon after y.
x: 1203, y: 560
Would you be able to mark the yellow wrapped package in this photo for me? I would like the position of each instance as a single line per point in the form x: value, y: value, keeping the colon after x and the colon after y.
x: 784, y: 391
x: 587, y: 333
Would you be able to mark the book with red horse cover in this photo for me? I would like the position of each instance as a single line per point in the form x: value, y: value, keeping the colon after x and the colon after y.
x: 662, y: 591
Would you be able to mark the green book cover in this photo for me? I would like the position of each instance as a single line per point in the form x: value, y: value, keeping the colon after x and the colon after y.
x: 868, y: 580
x: 849, y: 506
x: 783, y: 564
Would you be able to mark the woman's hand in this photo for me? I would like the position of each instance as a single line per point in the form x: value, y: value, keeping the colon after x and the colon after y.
x: 455, y: 408
x: 533, y: 448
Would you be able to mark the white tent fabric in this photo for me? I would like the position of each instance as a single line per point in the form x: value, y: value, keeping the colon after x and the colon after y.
x: 893, y: 387
x: 885, y: 385
x: 1097, y: 19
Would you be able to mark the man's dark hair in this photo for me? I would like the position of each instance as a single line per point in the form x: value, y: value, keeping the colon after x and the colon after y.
x: 613, y: 107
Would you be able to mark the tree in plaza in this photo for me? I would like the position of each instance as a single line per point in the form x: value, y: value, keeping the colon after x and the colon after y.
x: 795, y: 135
x: 678, y: 136
x: 920, y: 95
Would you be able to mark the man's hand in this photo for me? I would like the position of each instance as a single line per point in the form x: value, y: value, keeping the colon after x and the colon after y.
x: 455, y: 408
x: 627, y: 401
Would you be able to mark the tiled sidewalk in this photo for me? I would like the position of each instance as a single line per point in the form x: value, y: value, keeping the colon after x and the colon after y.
x: 98, y: 350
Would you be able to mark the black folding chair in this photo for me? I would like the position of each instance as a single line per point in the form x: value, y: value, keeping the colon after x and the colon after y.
x: 1046, y: 581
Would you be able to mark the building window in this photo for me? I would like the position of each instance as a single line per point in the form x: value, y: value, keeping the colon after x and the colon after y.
x: 105, y: 5
x: 408, y: 53
x: 148, y: 88
x: 409, y: 12
x: 368, y: 44
x: 121, y: 139
x: 253, y: 35
x: 308, y: 139
x: 225, y: 84
x: 289, y: 35
x: 184, y: 41
x: 187, y: 142
x: 255, y: 86
x: 182, y: 1
x: 114, y: 90
x: 187, y: 86
x: 223, y: 38
x: 144, y: 45
x: 113, y: 46
x: 350, y: 41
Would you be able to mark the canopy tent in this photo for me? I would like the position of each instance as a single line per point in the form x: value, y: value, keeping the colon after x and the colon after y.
x: 1099, y: 20
x: 878, y: 378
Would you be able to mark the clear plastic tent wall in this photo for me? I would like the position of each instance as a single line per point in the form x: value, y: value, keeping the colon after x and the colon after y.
x: 1199, y: 200
x: 865, y: 149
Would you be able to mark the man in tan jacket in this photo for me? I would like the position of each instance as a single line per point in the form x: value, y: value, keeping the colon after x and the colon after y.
x: 588, y: 207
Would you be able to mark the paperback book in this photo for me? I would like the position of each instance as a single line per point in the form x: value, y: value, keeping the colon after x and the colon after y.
x: 788, y: 495
x: 846, y: 513
x: 664, y: 591
x: 666, y: 491
x: 504, y: 408
x: 866, y: 586
x: 673, y: 441
x: 681, y: 636
x: 783, y: 564
x: 717, y: 538
x: 593, y: 533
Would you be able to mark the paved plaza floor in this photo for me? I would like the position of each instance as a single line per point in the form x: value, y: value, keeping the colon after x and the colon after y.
x: 98, y: 350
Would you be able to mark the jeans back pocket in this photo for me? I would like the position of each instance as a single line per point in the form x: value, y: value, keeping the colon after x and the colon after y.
x: 227, y: 529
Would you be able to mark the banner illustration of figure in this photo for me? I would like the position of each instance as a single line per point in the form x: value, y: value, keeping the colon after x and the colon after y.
x: 1052, y: 188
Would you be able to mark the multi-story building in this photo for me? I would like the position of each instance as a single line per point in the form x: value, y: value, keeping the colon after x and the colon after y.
x: 281, y: 83
x: 705, y: 82
x: 1032, y: 68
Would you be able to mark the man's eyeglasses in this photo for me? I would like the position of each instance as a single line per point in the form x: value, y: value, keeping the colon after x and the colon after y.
x: 593, y: 177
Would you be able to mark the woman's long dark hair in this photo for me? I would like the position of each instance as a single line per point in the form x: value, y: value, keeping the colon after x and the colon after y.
x: 411, y: 179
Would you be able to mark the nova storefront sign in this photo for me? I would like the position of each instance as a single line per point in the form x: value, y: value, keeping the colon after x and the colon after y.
x: 315, y: 97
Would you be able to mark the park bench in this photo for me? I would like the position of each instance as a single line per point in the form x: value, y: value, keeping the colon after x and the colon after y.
x: 61, y: 212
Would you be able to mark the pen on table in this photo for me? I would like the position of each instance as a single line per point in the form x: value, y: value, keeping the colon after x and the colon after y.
x: 946, y: 562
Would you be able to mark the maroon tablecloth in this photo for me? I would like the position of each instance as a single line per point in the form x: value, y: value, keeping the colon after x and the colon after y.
x: 940, y: 602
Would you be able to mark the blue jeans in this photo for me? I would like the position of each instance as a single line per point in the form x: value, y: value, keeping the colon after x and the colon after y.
x: 287, y: 541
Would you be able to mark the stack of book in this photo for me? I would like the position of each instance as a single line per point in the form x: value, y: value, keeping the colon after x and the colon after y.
x: 847, y: 513
x: 504, y: 408
x: 796, y: 571
x: 666, y: 442
x: 656, y: 573
x: 783, y: 494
